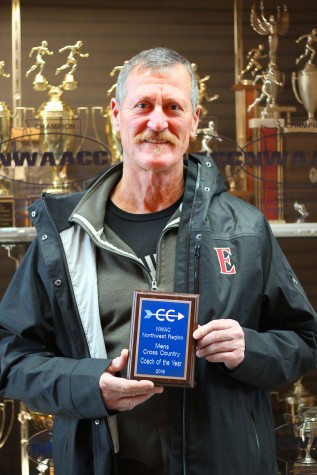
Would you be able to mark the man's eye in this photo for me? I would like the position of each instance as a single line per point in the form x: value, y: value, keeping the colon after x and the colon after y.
x: 174, y: 107
x: 141, y: 105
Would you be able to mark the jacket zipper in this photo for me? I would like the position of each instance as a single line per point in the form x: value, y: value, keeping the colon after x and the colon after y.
x: 154, y: 285
x: 154, y: 281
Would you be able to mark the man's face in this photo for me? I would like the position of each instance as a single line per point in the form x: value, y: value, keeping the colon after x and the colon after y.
x: 156, y: 120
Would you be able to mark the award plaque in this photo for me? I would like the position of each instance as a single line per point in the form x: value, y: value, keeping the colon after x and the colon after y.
x: 162, y: 348
x: 7, y: 212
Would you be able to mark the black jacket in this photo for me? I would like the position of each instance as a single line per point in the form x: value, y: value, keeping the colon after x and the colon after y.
x: 227, y: 253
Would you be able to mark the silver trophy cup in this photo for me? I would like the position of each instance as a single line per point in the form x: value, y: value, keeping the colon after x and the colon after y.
x: 307, y: 89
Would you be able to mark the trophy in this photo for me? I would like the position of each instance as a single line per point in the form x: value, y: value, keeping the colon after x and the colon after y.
x: 209, y: 134
x: 297, y: 398
x: 6, y: 424
x: 5, y: 118
x: 39, y: 446
x: 113, y: 137
x: 203, y: 92
x: 6, y: 200
x: 254, y: 66
x: 305, y: 430
x: 206, y: 134
x: 296, y: 438
x: 269, y: 89
x: 301, y: 209
x: 272, y: 79
x: 307, y: 78
x: 57, y: 119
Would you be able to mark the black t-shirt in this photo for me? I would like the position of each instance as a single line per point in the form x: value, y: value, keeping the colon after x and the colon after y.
x: 140, y: 231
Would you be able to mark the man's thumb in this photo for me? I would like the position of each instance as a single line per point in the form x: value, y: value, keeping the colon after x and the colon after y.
x: 119, y: 363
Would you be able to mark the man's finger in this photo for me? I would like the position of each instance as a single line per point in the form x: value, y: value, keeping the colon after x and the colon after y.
x: 119, y: 363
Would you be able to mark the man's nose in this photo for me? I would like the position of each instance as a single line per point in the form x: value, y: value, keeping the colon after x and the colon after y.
x: 157, y: 120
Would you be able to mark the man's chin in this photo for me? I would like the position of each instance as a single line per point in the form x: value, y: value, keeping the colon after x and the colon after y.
x: 159, y: 161
x: 157, y: 149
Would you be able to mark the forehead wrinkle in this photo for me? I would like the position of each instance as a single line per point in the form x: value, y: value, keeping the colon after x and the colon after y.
x: 159, y: 95
x: 147, y: 94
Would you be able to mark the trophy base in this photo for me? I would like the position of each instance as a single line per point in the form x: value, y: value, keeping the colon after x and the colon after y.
x: 40, y: 83
x: 301, y: 468
x: 58, y: 189
x: 69, y: 82
x: 246, y: 82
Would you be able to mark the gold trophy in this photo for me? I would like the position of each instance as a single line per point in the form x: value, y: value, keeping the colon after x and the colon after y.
x: 113, y: 138
x: 272, y: 79
x: 307, y: 78
x: 295, y: 399
x: 40, y: 83
x: 6, y: 422
x: 57, y: 119
x: 39, y: 446
x: 6, y: 198
x: 5, y: 118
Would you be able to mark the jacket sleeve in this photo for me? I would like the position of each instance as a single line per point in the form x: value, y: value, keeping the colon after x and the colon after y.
x: 283, y: 347
x: 42, y: 361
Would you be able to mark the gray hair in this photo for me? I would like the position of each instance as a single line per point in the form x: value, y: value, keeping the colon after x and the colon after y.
x: 156, y: 59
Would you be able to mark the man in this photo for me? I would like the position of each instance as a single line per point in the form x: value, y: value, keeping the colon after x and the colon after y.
x: 155, y: 221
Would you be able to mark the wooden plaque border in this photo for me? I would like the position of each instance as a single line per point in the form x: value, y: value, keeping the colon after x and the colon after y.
x: 161, y: 380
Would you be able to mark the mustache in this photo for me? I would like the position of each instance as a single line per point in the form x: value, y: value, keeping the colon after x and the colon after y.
x: 163, y: 136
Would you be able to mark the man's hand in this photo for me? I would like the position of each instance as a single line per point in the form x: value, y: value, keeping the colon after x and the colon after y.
x: 221, y: 341
x: 120, y: 394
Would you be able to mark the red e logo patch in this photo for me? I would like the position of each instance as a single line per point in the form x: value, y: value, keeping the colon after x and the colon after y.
x: 223, y: 254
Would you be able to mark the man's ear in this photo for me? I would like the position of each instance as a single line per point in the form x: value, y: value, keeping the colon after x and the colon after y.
x: 195, y: 123
x: 115, y: 115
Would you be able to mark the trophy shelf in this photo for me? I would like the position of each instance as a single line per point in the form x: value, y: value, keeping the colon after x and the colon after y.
x: 16, y: 236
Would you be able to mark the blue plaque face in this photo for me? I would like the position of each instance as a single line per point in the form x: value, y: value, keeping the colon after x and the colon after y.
x: 161, y: 345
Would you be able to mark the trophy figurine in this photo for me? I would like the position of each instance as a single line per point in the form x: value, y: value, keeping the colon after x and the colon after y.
x: 202, y: 91
x: 6, y: 198
x: 39, y: 445
x: 301, y: 209
x: 305, y: 430
x: 57, y: 119
x: 269, y: 87
x: 5, y: 117
x: 253, y: 66
x: 307, y: 77
x: 40, y: 82
x: 273, y: 26
x: 209, y: 134
x: 113, y: 137
x: 69, y: 82
x: 206, y: 133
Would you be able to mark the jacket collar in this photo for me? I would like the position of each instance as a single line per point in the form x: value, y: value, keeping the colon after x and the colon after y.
x: 202, y: 175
